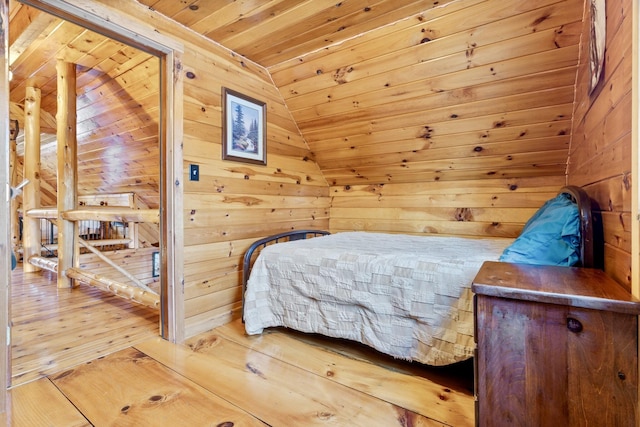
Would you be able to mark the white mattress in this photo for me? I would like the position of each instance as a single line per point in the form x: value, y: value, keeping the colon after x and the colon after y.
x: 406, y: 296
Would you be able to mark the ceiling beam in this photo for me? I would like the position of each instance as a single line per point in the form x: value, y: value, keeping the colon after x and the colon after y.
x: 27, y: 24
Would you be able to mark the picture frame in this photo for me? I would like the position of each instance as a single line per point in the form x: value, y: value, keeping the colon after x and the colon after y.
x: 597, y: 41
x: 244, y: 128
x: 155, y: 264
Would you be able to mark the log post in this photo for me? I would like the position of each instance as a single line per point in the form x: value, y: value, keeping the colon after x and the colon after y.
x: 68, y: 249
x: 31, y: 238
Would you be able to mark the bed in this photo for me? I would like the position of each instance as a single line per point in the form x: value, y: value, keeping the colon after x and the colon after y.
x: 406, y: 296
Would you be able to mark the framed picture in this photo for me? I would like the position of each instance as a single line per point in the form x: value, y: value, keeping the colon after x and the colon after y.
x: 244, y: 128
x: 597, y: 42
x: 155, y: 264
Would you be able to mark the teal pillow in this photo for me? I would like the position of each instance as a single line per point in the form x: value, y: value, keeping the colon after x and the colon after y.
x: 550, y: 237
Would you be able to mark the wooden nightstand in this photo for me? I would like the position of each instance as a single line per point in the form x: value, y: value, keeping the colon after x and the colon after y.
x: 556, y: 346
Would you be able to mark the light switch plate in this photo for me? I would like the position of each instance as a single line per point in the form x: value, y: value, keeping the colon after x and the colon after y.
x: 194, y: 173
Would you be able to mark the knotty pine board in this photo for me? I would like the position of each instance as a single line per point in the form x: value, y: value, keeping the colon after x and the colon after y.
x: 266, y: 385
x: 421, y: 68
x: 417, y: 214
x: 472, y: 138
x: 40, y: 403
x: 55, y: 329
x: 551, y: 172
x: 441, y: 25
x: 460, y: 101
x: 130, y: 388
x: 433, y: 392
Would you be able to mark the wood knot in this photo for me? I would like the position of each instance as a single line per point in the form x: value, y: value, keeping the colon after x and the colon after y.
x: 254, y: 370
x: 463, y: 214
x: 340, y: 76
x: 325, y: 415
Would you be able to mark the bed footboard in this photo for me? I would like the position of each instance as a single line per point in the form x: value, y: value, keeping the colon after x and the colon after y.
x: 258, y: 245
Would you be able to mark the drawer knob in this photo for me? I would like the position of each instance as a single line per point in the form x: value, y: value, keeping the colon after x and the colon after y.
x: 574, y: 325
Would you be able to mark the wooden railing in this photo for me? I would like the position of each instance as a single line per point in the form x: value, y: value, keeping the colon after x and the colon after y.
x: 107, y: 235
x: 136, y: 290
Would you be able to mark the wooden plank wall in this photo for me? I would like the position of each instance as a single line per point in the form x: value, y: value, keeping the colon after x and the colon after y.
x: 233, y: 203
x: 489, y: 207
x: 454, y: 121
x: 600, y: 154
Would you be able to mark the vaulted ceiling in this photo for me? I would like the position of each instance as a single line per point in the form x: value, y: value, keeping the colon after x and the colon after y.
x: 382, y: 91
x: 410, y: 91
x: 113, y: 83
x: 270, y: 32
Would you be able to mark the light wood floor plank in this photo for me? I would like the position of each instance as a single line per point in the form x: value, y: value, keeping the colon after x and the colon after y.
x: 278, y: 393
x: 128, y: 388
x: 46, y: 363
x: 39, y: 403
x: 439, y: 396
x: 54, y: 329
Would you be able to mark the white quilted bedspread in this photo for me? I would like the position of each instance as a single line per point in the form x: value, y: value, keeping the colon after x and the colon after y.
x: 406, y: 296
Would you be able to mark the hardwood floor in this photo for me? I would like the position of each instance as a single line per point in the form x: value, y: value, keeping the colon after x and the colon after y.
x: 225, y: 378
x: 54, y: 329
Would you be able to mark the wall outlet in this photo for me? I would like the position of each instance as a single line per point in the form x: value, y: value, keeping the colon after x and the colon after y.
x: 194, y: 173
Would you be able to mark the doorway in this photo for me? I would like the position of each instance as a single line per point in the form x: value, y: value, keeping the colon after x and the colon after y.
x: 100, y: 20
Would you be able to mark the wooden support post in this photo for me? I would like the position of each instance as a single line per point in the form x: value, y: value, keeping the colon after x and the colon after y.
x: 68, y: 250
x: 5, y: 257
x: 31, y: 238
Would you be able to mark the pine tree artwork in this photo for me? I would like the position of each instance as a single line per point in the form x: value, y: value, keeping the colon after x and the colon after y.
x: 244, y: 128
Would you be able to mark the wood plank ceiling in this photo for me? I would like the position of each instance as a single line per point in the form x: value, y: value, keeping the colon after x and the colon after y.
x: 382, y: 91
x: 117, y: 104
x: 412, y: 91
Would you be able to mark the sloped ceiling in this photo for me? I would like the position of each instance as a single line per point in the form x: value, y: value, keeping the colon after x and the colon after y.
x: 117, y: 104
x: 270, y: 32
x: 410, y: 90
x: 382, y: 91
